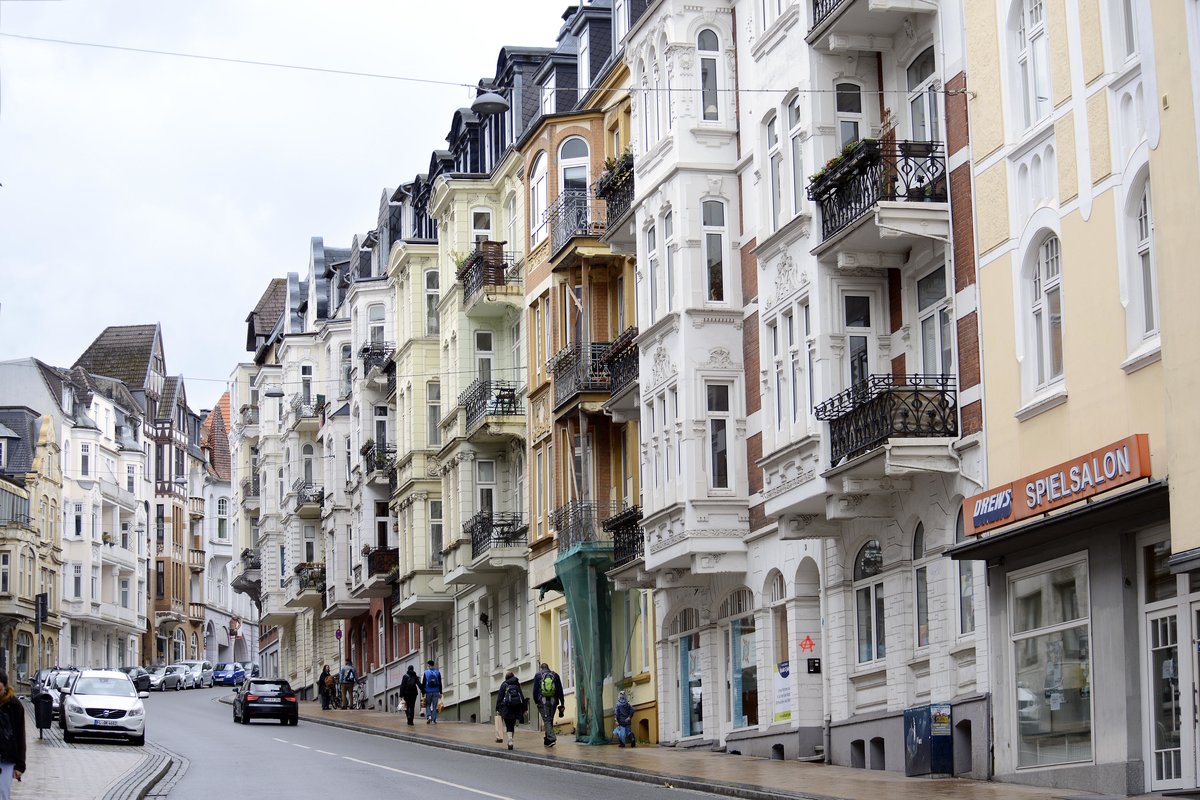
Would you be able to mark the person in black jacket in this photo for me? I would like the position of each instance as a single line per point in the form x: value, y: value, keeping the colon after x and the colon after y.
x: 511, y: 704
x: 410, y: 685
x: 12, y: 737
x: 548, y: 693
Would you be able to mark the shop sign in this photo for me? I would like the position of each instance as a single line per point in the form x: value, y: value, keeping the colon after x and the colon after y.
x: 1069, y: 482
x: 783, y: 692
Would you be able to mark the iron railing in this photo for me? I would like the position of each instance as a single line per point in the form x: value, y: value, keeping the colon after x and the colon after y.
x: 380, y: 457
x: 251, y: 559
x: 580, y: 523
x: 250, y: 415
x: 573, y: 213
x: 490, y: 399
x: 376, y: 354
x: 382, y: 560
x: 489, y: 530
x: 310, y: 575
x: 628, y: 541
x: 881, y: 407
x: 872, y: 171
x: 489, y: 264
x: 249, y: 488
x: 622, y: 360
x: 390, y: 372
x: 580, y: 368
x: 304, y: 408
x: 307, y: 493
x: 823, y: 8
x: 615, y: 188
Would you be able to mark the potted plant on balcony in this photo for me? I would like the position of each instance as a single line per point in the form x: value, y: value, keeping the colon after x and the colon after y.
x: 367, y: 447
x: 617, y: 171
x: 107, y: 538
x: 366, y: 549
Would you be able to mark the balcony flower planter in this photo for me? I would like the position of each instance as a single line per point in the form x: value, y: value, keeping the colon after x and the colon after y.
x: 617, y: 171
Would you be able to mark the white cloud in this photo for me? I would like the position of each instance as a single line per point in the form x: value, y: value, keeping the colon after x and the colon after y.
x: 141, y: 188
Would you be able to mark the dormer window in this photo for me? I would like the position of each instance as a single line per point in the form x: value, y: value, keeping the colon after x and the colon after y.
x: 548, y: 95
x: 585, y: 72
x: 3, y: 453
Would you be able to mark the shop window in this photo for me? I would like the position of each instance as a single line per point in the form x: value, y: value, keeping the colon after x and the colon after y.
x: 741, y: 656
x: 1051, y: 642
x: 684, y: 630
x: 1160, y: 582
x: 966, y: 584
x: 868, y: 598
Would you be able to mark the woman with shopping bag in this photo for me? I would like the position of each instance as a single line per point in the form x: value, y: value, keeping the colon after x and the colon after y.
x: 410, y: 686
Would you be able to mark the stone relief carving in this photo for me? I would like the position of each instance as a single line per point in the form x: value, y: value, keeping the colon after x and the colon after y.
x: 661, y: 368
x: 720, y: 358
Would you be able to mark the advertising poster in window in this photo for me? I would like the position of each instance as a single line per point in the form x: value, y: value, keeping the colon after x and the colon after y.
x: 783, y: 692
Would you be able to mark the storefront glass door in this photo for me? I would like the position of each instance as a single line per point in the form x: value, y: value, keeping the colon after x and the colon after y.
x: 1166, y: 701
x: 691, y: 695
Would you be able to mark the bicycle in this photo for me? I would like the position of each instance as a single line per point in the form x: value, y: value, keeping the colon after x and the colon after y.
x: 359, y: 698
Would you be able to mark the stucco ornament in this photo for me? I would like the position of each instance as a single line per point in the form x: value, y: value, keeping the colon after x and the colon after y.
x: 720, y: 358
x: 661, y: 368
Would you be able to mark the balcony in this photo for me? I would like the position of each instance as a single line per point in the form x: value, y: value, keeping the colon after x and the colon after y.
x: 495, y: 403
x: 247, y: 573
x: 389, y: 374
x: 308, y: 499
x: 113, y: 553
x: 196, y: 612
x: 844, y: 25
x: 580, y: 368
x: 490, y: 531
x: 306, y: 589
x: 615, y: 187
x: 115, y: 612
x: 903, y: 183
x: 490, y: 273
x: 168, y: 613
x: 421, y: 594
x: 575, y: 213
x: 304, y: 413
x: 579, y: 523
x: 250, y: 495
x: 275, y: 610
x: 196, y: 560
x: 628, y: 541
x: 884, y: 408
x: 196, y: 507
x: 114, y: 494
x: 622, y: 360
x: 341, y: 602
x: 375, y: 358
x: 377, y: 566
x: 378, y: 461
x: 249, y: 415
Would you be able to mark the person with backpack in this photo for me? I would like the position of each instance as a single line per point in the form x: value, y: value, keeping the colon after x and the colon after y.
x: 346, y: 678
x: 511, y: 705
x: 325, y: 686
x: 410, y: 685
x: 548, y: 689
x: 12, y: 737
x: 623, y: 716
x: 431, y: 685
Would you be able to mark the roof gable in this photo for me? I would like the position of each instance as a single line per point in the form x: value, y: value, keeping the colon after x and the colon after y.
x: 125, y: 352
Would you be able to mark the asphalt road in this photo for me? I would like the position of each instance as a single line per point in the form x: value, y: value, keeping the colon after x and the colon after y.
x: 266, y: 759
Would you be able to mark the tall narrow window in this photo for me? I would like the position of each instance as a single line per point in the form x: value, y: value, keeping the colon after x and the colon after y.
x: 920, y: 586
x: 130, y: 477
x: 548, y: 91
x: 775, y: 172
x: 1047, y: 312
x: 936, y: 324
x: 669, y: 257
x: 713, y: 220
x: 223, y: 518
x: 1128, y: 26
x: 306, y: 381
x: 585, y: 66
x: 85, y: 459
x: 485, y: 484
x: 924, y: 112
x: 776, y: 372
x: 481, y: 226
x: 966, y: 584
x: 435, y: 532
x: 620, y: 21
x: 794, y: 369
x: 375, y: 327
x: 859, y: 335
x: 433, y: 399
x: 868, y: 601
x: 573, y: 173
x: 308, y: 456
x: 709, y: 48
x: 346, y: 367
x: 652, y: 270
x: 718, y: 434
x: 432, y: 296
x: 538, y: 220
x: 848, y: 103
x: 510, y: 217
x: 1033, y: 60
x: 1146, y: 277
x: 485, y: 354
x: 796, y: 152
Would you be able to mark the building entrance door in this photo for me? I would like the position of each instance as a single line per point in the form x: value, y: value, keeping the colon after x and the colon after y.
x: 1167, y: 701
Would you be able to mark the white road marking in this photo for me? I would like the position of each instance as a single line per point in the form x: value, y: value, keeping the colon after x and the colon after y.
x: 430, y: 779
x: 326, y: 752
x: 306, y: 747
x: 276, y: 738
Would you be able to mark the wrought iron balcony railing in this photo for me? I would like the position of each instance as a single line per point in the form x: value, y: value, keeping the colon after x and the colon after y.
x: 376, y: 355
x: 310, y: 575
x: 490, y: 399
x: 489, y: 264
x: 307, y: 493
x: 381, y: 457
x: 622, y: 360
x: 302, y: 407
x: 390, y: 372
x: 489, y: 530
x: 382, y: 560
x: 251, y: 559
x: 823, y: 8
x: 615, y: 188
x: 872, y: 171
x: 882, y: 407
x: 628, y: 540
x: 249, y: 488
x: 250, y: 415
x: 580, y: 523
x: 580, y: 368
x: 575, y: 212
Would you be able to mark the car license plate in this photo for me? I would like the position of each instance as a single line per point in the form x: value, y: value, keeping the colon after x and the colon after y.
x: 270, y: 699
x: 107, y: 723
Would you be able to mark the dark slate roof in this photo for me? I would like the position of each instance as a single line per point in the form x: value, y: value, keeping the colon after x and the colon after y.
x: 169, y: 397
x: 270, y: 307
x: 122, y: 352
x: 118, y: 392
x: 24, y: 422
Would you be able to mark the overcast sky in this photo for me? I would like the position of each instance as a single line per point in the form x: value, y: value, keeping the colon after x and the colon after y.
x: 141, y: 188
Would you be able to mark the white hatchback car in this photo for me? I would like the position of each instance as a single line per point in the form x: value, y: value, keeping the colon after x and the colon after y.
x: 104, y: 702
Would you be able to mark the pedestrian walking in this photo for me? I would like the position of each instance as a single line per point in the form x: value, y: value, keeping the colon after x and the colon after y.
x: 548, y: 689
x: 410, y: 686
x: 623, y: 716
x: 12, y: 737
x: 511, y: 705
x: 431, y: 686
x: 346, y: 678
x: 325, y: 687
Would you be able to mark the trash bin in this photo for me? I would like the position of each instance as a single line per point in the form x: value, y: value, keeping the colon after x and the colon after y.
x: 43, y: 711
x: 928, y: 742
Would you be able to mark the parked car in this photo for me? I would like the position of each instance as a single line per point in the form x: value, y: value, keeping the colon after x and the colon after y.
x: 36, y: 680
x: 139, y: 676
x: 163, y: 678
x: 266, y: 698
x: 54, y: 683
x: 251, y: 669
x: 104, y: 702
x: 187, y: 679
x: 229, y: 673
x: 202, y: 673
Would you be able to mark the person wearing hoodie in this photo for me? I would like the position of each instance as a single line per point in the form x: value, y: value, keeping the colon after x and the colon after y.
x: 511, y: 705
x: 325, y: 687
x: 623, y: 716
x: 12, y: 737
x: 410, y: 686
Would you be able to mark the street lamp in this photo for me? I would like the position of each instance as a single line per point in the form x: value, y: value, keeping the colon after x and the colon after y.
x: 489, y: 103
x: 274, y: 392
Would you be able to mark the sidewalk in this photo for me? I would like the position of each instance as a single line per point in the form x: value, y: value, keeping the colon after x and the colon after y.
x: 100, y: 771
x: 734, y: 776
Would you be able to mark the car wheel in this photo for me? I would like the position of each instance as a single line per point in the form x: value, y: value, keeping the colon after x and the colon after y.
x: 68, y: 736
x: 179, y: 686
x: 245, y: 718
x: 236, y: 719
x: 294, y: 721
x: 138, y: 741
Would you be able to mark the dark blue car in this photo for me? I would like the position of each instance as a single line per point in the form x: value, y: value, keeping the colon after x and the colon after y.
x: 229, y: 673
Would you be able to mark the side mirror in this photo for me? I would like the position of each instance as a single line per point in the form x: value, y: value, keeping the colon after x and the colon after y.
x: 143, y: 695
x: 235, y: 690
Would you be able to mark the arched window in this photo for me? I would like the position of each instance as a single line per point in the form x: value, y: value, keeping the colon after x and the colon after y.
x: 375, y: 329
x: 742, y: 646
x: 538, y: 200
x: 1046, y: 312
x: 573, y: 165
x: 1144, y: 278
x: 921, y: 585
x: 646, y: 101
x: 1031, y: 48
x: 709, y: 47
x: 178, y: 645
x: 223, y: 518
x: 848, y: 108
x: 684, y: 632
x: 713, y: 225
x: 195, y: 651
x: 868, y: 601
x: 432, y: 297
x: 655, y: 99
x: 774, y: 169
x: 308, y: 464
x: 923, y: 108
x: 776, y: 594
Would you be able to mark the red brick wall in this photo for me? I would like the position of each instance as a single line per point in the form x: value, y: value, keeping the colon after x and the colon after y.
x: 749, y: 272
x: 750, y: 363
x: 958, y: 135
x: 898, y: 366
x: 972, y: 418
x: 968, y: 351
x: 895, y: 300
x: 962, y: 222
x: 753, y: 454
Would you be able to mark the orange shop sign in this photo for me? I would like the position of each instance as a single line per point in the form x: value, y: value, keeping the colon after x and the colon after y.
x: 1071, y: 481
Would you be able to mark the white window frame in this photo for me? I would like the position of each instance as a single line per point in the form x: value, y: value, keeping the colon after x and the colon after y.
x: 1143, y: 277
x: 538, y: 200
x: 921, y: 562
x: 873, y: 585
x: 925, y: 93
x: 720, y: 419
x: 432, y: 299
x: 485, y: 356
x: 652, y: 275
x: 795, y: 135
x: 711, y: 233
x: 1031, y: 58
x: 940, y: 314
x: 433, y: 408
x: 485, y: 486
x: 668, y: 223
x: 376, y: 327
x: 436, y: 536
x: 548, y: 90
x: 1045, y: 279
x: 584, y: 73
x: 774, y: 182
x: 849, y: 116
x: 710, y: 64
x: 480, y: 234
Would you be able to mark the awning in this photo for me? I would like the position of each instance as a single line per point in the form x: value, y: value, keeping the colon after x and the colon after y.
x: 552, y: 585
x: 1137, y: 508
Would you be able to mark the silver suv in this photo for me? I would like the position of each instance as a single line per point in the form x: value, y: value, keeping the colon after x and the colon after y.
x: 103, y: 702
x: 202, y: 672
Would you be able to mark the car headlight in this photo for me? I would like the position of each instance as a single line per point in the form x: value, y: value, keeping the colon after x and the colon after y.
x: 74, y: 707
x: 136, y: 711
